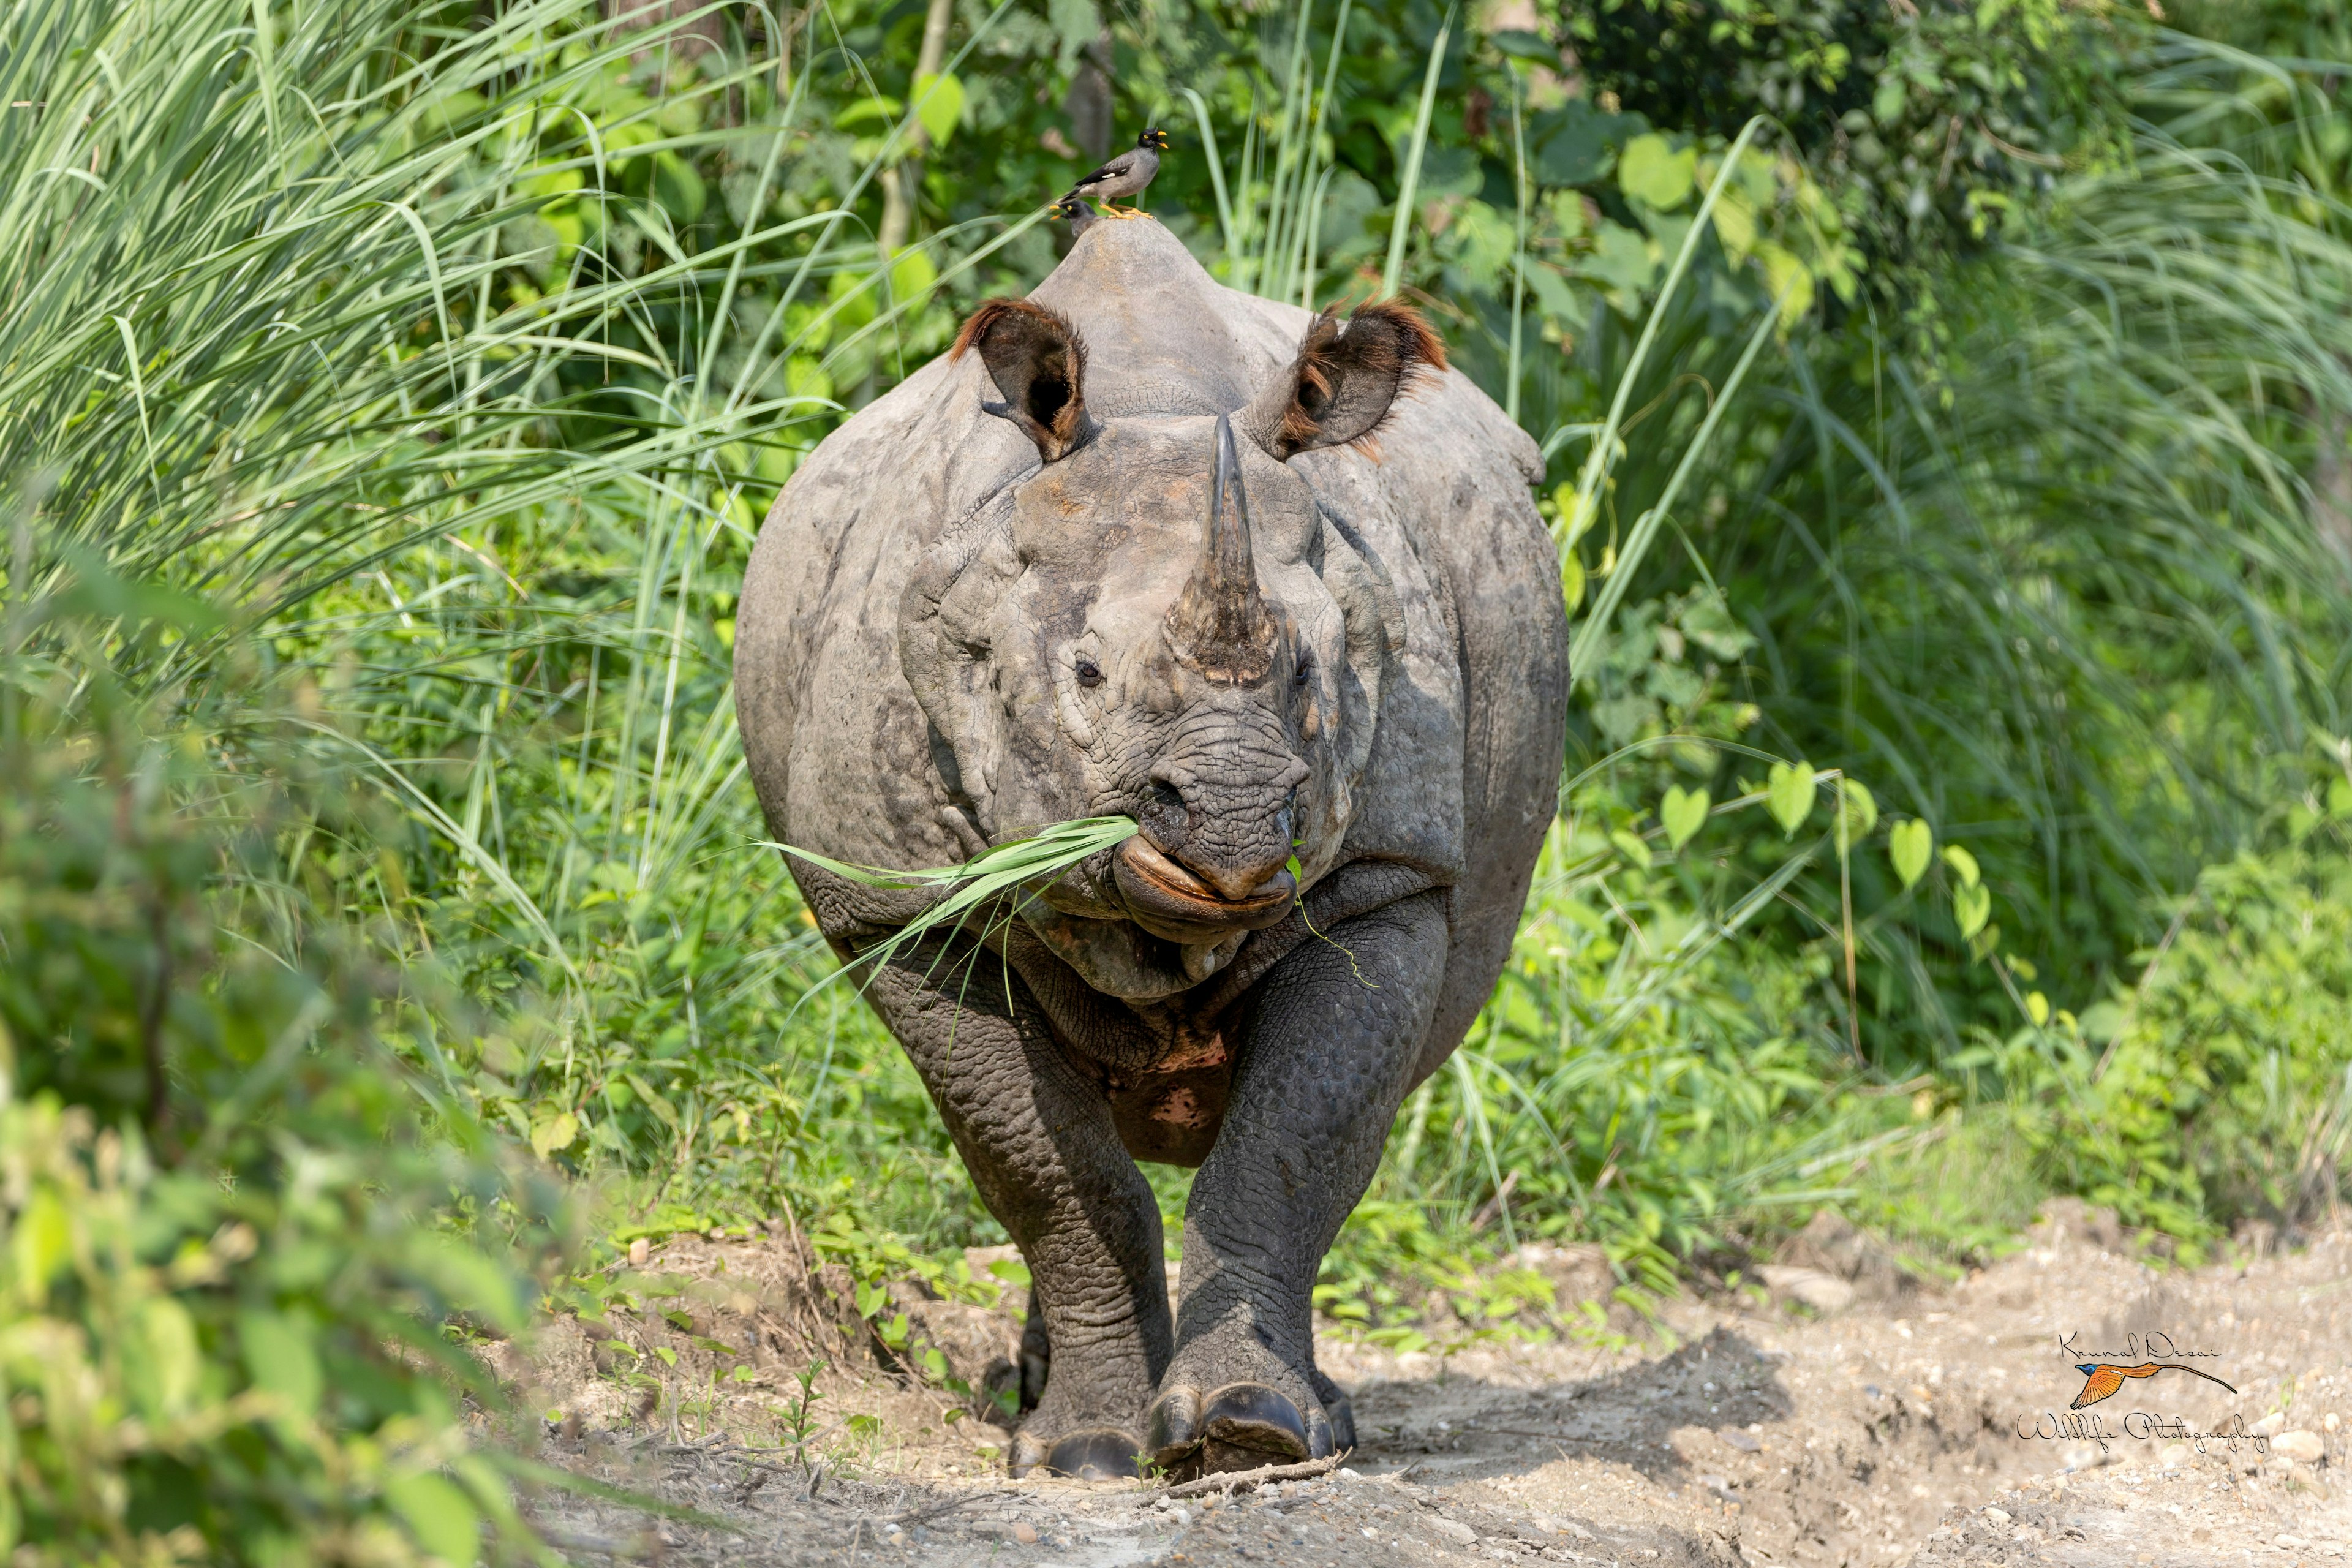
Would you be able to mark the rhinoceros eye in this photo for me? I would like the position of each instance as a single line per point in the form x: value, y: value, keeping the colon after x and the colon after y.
x: 1089, y: 673
x: 1305, y: 672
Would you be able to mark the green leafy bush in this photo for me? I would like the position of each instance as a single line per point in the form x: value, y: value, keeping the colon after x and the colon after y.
x: 2223, y: 1089
x: 228, y: 1243
x: 1929, y: 124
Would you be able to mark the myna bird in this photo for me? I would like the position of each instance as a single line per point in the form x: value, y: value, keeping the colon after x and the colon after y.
x: 1124, y: 175
x: 2101, y: 1380
x: 1075, y: 213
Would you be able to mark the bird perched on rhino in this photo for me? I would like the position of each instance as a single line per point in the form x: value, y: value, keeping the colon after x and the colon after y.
x: 1076, y: 214
x: 1124, y: 176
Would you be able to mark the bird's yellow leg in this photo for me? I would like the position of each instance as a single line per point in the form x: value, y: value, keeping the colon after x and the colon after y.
x: 1110, y: 211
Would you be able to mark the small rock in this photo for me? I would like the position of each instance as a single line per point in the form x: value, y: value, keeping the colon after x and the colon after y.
x: 2269, y: 1424
x: 1455, y: 1530
x: 1831, y: 1244
x: 1578, y: 1272
x: 2071, y: 1219
x: 2286, y: 1543
x: 1821, y: 1292
x: 2304, y: 1448
x: 1999, y: 1516
x: 1745, y: 1442
x: 1024, y: 1533
x: 639, y: 1250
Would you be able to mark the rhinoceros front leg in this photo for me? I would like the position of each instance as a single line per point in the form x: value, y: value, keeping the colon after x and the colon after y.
x: 1040, y: 1146
x: 1330, y: 1044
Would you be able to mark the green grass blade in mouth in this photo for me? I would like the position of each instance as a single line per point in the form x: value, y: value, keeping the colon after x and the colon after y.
x: 997, y: 870
x: 1054, y: 849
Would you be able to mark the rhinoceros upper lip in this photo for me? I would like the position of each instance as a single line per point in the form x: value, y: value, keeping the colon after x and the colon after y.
x: 1164, y: 897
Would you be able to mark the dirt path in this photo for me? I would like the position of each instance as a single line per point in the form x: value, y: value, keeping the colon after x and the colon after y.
x: 1884, y: 1433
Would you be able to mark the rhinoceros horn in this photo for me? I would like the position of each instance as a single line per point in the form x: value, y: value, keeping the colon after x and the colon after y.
x: 1220, y: 624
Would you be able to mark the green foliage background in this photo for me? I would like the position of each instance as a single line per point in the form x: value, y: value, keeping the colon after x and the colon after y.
x: 1954, y: 809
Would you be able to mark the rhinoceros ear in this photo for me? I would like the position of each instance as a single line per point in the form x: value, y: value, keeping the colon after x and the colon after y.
x: 1039, y: 364
x: 1344, y: 379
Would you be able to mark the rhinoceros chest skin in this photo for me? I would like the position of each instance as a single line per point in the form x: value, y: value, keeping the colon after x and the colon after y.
x: 1462, y: 692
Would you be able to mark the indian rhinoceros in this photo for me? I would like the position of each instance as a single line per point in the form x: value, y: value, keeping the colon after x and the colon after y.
x: 1272, y: 585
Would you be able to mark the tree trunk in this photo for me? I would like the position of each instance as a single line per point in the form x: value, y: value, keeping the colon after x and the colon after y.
x: 695, y: 41
x: 1089, y: 103
x: 903, y: 182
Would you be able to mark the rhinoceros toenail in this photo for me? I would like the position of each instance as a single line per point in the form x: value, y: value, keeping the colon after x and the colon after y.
x: 1342, y: 1417
x: 1028, y: 1453
x: 1104, y: 1454
x: 1252, y: 1416
x: 1173, y: 1429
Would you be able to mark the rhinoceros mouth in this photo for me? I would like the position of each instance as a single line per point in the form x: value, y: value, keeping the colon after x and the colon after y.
x: 1169, y: 901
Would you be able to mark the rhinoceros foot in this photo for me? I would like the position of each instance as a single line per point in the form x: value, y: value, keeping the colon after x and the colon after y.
x: 1097, y: 1454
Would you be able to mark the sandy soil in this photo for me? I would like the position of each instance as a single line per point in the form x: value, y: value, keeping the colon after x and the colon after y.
x: 1890, y: 1422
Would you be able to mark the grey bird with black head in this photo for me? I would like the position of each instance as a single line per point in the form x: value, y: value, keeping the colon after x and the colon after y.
x: 1124, y: 176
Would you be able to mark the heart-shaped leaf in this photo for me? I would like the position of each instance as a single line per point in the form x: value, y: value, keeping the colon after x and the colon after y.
x: 1857, y: 813
x: 1908, y: 844
x: 1684, y: 811
x: 1971, y: 906
x: 1651, y: 171
x: 1788, y: 795
x: 1963, y: 863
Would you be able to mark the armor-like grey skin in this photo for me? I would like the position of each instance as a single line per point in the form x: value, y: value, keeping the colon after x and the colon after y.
x: 1274, y: 588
